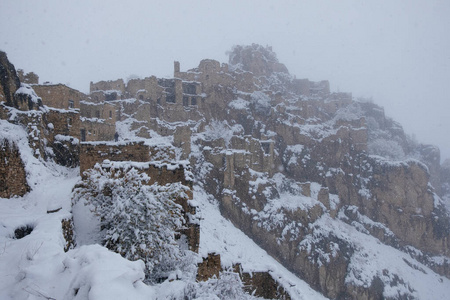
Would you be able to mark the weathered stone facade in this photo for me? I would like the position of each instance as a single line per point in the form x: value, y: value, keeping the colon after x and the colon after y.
x: 98, y: 121
x: 262, y: 284
x: 13, y: 177
x: 63, y: 122
x: 210, y: 267
x: 96, y: 152
x: 259, y: 284
x: 59, y: 96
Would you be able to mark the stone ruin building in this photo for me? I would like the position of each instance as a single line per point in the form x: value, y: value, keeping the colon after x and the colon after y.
x: 65, y: 125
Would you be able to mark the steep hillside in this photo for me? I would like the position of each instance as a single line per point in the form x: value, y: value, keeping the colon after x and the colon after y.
x: 38, y: 260
x: 314, y: 193
x: 285, y: 156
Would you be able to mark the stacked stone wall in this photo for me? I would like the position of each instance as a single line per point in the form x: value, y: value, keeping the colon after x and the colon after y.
x: 64, y: 123
x: 300, y: 86
x: 210, y: 267
x: 259, y: 284
x: 262, y: 284
x: 117, y: 85
x: 105, y: 111
x: 92, y: 153
x: 98, y: 121
x: 93, y: 130
x: 144, y: 89
x: 59, y: 96
x: 13, y: 177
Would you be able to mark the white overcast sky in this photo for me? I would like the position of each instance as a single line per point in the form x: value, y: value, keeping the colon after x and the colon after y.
x: 397, y: 52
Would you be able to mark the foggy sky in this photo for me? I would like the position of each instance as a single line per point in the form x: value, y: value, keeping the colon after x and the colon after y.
x: 397, y: 52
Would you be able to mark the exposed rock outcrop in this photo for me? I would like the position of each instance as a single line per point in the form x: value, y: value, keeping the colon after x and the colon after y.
x: 9, y: 81
x: 256, y: 59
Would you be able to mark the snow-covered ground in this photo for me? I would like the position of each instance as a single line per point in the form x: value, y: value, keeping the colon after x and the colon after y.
x: 36, y: 266
x: 375, y: 259
x: 220, y: 236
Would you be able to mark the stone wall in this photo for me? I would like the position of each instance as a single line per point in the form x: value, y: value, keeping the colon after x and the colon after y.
x: 259, y: 284
x: 94, y: 130
x: 13, y: 177
x: 182, y: 140
x: 104, y: 110
x: 256, y: 59
x: 63, y: 122
x: 145, y: 89
x: 92, y: 153
x: 113, y: 156
x: 116, y: 85
x: 59, y: 96
x: 61, y: 128
x: 159, y: 173
x: 262, y: 284
x: 210, y: 267
x: 301, y: 86
x: 98, y: 121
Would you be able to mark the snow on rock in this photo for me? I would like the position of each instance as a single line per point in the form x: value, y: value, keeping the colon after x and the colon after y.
x: 239, y: 104
x: 97, y: 273
x: 35, y: 266
x: 400, y: 273
x: 219, y: 235
x: 26, y: 89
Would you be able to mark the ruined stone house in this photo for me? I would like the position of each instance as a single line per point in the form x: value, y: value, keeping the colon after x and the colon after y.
x: 98, y: 121
x: 59, y: 96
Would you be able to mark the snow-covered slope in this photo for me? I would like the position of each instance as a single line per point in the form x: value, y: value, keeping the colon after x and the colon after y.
x: 218, y: 235
x: 36, y: 266
x: 295, y: 174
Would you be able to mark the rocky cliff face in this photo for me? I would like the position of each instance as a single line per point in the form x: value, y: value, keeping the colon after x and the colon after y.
x: 9, y: 81
x: 290, y: 162
x: 327, y: 185
x: 12, y: 92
